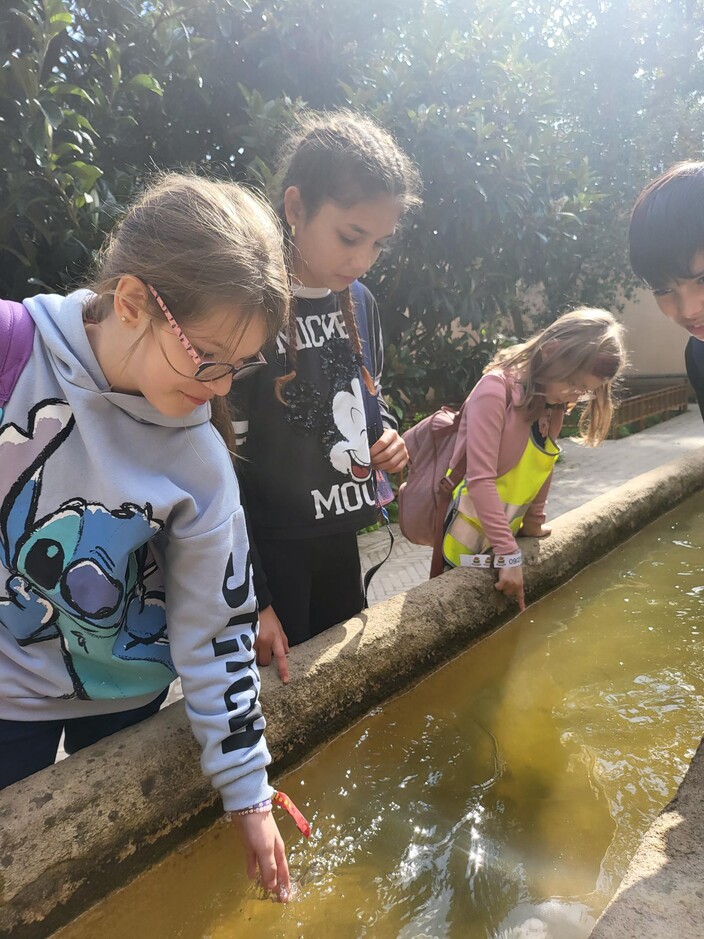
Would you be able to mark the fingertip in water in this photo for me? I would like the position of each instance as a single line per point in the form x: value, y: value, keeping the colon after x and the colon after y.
x: 286, y: 894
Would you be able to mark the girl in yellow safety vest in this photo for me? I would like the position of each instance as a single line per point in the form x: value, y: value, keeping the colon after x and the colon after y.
x: 513, y: 419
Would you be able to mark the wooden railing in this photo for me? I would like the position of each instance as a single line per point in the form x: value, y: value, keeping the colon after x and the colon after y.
x: 637, y: 409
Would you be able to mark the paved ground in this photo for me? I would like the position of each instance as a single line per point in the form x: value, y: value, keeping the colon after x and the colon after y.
x: 581, y: 474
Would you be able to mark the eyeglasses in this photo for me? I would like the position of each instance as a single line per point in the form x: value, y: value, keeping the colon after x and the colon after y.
x: 579, y: 395
x: 208, y: 371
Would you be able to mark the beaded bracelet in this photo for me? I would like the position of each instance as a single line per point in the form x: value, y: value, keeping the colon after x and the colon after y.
x: 258, y: 807
x: 278, y: 798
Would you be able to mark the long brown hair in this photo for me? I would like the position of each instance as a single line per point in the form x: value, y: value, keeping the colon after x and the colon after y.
x: 199, y: 242
x: 584, y: 342
x: 346, y: 158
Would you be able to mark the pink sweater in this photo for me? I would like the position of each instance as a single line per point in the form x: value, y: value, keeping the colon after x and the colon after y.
x: 497, y: 436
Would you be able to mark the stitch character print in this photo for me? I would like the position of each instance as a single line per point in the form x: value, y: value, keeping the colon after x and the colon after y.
x: 104, y: 605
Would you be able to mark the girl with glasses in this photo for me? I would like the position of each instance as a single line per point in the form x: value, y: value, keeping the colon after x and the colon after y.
x: 512, y: 420
x: 124, y: 554
x: 314, y: 426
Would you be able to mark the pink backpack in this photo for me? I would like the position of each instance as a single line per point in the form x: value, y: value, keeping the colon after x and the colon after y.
x: 434, y: 446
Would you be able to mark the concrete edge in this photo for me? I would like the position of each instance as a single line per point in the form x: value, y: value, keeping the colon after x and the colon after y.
x: 662, y: 893
x: 105, y: 813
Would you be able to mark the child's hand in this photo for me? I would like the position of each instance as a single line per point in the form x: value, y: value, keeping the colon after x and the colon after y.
x: 389, y: 452
x: 510, y: 582
x: 272, y: 641
x: 533, y: 530
x: 266, y: 853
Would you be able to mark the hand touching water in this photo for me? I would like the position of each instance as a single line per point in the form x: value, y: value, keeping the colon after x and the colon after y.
x: 265, y: 852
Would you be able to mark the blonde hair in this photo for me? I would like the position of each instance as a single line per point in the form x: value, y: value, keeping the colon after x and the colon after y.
x: 584, y: 342
x: 346, y: 158
x: 199, y: 242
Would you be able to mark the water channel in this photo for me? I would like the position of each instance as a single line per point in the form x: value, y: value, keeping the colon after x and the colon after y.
x: 500, y: 798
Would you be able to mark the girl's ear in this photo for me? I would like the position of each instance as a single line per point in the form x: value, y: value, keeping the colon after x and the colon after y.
x: 543, y: 362
x: 551, y: 348
x: 293, y: 206
x: 548, y: 352
x: 130, y: 301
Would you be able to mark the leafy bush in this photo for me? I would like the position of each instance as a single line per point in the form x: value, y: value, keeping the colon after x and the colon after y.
x: 530, y: 149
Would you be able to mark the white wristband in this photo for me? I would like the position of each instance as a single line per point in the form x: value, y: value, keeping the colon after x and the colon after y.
x: 475, y: 560
x: 508, y: 560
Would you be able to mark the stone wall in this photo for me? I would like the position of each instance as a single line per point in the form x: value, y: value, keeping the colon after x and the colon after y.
x: 662, y: 894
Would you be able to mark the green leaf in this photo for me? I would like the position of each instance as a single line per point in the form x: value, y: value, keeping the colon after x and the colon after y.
x: 85, y: 173
x: 24, y: 70
x: 31, y: 23
x: 83, y: 122
x: 148, y: 82
x: 62, y: 19
x: 66, y: 88
x: 58, y: 19
x: 112, y: 55
x: 67, y: 148
x: 52, y: 112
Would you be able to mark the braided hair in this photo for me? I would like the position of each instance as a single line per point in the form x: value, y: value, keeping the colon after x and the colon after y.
x: 346, y: 158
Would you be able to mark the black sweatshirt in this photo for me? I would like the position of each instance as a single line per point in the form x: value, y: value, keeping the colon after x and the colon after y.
x: 694, y: 360
x: 305, y: 467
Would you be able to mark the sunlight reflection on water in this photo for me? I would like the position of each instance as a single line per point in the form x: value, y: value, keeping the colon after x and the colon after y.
x: 501, y: 798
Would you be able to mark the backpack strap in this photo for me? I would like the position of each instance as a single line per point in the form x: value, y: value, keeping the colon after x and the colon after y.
x: 16, y: 337
x: 372, y: 570
x: 371, y: 402
x: 446, y: 486
x: 373, y: 414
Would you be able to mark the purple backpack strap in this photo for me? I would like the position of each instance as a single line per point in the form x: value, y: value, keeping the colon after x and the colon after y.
x: 16, y: 337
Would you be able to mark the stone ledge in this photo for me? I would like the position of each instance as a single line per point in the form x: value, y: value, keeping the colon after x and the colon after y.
x: 662, y: 894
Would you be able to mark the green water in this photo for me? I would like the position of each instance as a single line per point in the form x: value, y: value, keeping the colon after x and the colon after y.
x: 501, y: 798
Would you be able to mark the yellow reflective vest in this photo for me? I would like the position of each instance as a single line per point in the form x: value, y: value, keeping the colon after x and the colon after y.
x: 464, y: 543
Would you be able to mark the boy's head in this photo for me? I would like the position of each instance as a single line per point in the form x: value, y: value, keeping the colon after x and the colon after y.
x: 666, y: 239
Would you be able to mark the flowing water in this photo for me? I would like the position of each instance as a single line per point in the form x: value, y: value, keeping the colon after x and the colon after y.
x: 500, y: 798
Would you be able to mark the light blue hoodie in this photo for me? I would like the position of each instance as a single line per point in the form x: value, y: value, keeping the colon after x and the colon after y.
x: 124, y: 558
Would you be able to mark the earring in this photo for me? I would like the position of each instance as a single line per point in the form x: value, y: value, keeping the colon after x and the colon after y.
x: 293, y: 231
x: 124, y: 319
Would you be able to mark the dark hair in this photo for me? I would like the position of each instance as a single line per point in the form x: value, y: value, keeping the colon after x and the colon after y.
x: 667, y: 225
x: 199, y: 242
x: 347, y: 158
